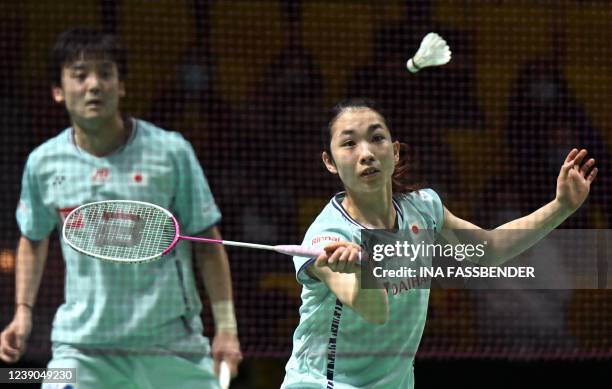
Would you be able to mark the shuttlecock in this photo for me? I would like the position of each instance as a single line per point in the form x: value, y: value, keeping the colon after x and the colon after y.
x: 433, y: 52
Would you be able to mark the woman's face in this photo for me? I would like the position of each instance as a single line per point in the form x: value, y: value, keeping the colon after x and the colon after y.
x: 363, y: 154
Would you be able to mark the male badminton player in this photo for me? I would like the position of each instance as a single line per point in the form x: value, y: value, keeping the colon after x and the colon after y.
x: 349, y: 337
x: 120, y: 325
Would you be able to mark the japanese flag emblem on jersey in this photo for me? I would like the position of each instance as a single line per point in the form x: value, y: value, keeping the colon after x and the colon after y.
x: 138, y: 179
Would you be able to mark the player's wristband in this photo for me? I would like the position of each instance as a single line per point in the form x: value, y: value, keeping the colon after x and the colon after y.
x: 225, y: 318
x: 30, y: 307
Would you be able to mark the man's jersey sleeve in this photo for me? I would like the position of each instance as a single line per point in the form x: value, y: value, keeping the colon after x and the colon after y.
x: 194, y: 204
x: 34, y: 219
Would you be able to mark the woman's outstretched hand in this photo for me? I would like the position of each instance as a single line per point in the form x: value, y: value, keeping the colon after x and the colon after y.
x: 575, y: 178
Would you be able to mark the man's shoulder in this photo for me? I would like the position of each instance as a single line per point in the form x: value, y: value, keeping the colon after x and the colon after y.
x: 155, y: 134
x: 59, y: 144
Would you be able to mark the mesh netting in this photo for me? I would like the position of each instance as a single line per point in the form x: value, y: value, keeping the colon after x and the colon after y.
x: 248, y: 84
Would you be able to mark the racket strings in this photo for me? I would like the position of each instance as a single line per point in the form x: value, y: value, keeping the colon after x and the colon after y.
x: 120, y: 230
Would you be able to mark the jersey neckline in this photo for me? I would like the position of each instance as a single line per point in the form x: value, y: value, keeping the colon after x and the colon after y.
x: 133, y: 124
x: 336, y: 202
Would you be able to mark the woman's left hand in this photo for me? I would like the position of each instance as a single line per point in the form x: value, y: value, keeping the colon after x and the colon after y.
x: 575, y: 178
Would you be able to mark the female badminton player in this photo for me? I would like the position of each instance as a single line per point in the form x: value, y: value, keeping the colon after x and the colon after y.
x: 349, y: 337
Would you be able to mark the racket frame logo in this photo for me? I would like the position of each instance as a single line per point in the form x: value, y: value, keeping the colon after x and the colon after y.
x: 120, y: 229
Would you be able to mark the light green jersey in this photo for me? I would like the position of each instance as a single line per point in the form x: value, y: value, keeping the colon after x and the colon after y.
x: 117, y: 305
x: 333, y: 347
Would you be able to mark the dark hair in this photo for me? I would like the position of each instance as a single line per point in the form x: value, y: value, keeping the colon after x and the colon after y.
x: 401, y: 182
x: 87, y: 42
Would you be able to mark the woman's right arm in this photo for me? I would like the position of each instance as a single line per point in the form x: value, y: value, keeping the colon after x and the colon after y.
x: 338, y: 267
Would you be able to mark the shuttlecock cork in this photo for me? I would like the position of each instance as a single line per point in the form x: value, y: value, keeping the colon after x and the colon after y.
x: 434, y: 51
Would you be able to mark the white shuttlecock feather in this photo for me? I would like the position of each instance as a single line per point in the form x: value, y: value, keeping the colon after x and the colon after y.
x: 434, y: 51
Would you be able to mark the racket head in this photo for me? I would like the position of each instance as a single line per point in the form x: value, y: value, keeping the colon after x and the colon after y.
x: 121, y: 231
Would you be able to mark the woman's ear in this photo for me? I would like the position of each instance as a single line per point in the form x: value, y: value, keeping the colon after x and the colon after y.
x: 396, y: 151
x: 328, y: 160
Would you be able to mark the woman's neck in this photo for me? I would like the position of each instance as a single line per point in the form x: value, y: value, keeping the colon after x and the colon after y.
x: 373, y: 210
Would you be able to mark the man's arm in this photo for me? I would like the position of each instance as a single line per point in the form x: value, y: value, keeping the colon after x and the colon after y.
x: 30, y: 264
x: 213, y: 262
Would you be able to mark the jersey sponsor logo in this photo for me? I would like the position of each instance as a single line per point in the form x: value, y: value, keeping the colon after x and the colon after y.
x: 319, y: 239
x: 63, y: 213
x: 100, y: 175
x: 415, y: 228
x: 425, y: 196
x: 395, y: 288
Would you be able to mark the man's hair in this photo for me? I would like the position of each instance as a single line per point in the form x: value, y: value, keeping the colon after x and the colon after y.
x: 88, y: 43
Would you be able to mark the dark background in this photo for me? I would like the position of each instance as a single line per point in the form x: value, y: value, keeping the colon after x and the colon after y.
x: 249, y: 82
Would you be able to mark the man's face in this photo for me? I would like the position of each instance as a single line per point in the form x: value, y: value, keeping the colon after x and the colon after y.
x: 90, y: 89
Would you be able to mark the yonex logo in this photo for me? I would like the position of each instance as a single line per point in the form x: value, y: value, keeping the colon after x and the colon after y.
x: 58, y: 180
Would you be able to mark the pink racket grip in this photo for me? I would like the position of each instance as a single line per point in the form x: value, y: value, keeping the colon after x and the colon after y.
x: 308, y: 252
x: 299, y: 251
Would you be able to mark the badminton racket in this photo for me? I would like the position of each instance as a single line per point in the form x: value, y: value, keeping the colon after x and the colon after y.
x: 224, y: 375
x: 134, y: 232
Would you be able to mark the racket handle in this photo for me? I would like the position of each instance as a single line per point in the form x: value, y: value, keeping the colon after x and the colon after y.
x: 299, y: 251
x: 224, y: 375
x: 308, y: 252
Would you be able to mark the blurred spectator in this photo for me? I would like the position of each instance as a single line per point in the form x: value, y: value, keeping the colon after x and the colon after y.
x: 422, y: 106
x: 516, y: 320
x: 276, y: 129
x: 545, y: 123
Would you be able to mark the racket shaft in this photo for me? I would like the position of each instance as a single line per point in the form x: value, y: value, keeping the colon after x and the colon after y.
x: 293, y: 250
x: 228, y: 242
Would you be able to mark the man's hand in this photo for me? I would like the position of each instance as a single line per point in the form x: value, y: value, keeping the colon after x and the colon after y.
x: 226, y: 348
x: 14, y: 338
